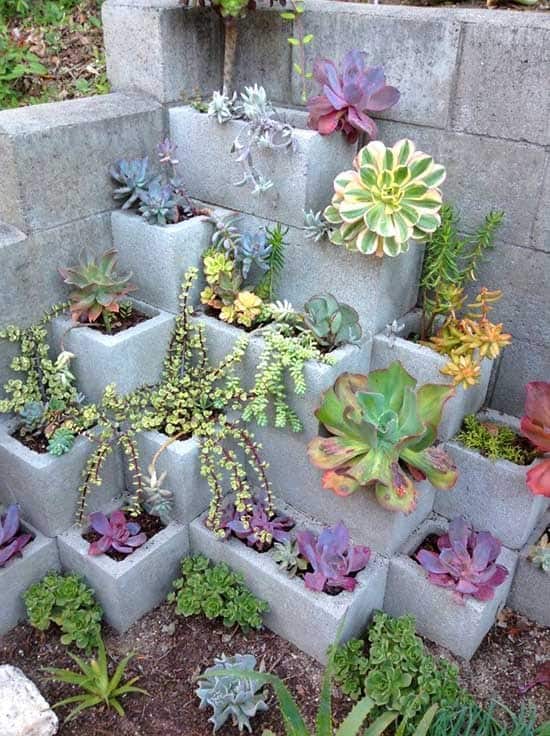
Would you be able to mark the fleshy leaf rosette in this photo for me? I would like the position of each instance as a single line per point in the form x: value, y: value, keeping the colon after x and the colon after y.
x: 466, y: 562
x: 535, y: 425
x: 11, y: 541
x: 116, y: 532
x: 390, y: 197
x: 348, y: 96
x: 382, y: 431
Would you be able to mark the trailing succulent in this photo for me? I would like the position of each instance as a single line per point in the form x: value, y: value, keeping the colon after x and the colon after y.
x: 535, y: 425
x: 12, y: 539
x: 348, y: 96
x: 382, y: 431
x: 259, y: 525
x: 466, y: 562
x: 539, y: 553
x: 116, y: 534
x: 390, y: 197
x: 231, y: 698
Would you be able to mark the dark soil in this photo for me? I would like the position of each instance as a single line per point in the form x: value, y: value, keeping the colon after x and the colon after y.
x: 35, y: 442
x: 150, y: 525
x: 120, y: 324
x: 430, y: 544
x: 172, y: 651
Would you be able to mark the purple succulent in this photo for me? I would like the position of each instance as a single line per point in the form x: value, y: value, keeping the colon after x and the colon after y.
x: 257, y: 528
x: 167, y: 152
x: 347, y: 97
x: 465, y: 563
x: 11, y: 543
x: 332, y: 558
x: 116, y: 533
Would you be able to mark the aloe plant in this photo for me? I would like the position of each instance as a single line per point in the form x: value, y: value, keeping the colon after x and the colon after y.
x: 382, y: 434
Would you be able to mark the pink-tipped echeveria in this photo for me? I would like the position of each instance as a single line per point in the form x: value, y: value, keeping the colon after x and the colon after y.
x: 535, y: 425
x: 382, y: 431
x: 348, y: 96
x: 117, y: 533
x: 466, y: 563
x: 11, y: 542
x: 332, y: 557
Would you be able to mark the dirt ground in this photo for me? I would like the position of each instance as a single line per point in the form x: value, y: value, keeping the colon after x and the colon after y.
x: 172, y: 651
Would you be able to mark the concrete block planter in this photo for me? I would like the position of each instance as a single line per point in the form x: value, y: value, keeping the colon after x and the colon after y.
x: 425, y: 364
x: 130, y: 588
x: 129, y: 359
x: 493, y: 494
x: 39, y: 557
x: 302, y: 177
x: 530, y: 594
x: 460, y: 628
x: 46, y: 487
x: 158, y: 256
x: 308, y: 619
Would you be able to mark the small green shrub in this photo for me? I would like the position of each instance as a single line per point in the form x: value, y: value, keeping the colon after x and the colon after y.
x: 68, y: 602
x: 217, y: 592
x: 494, y: 441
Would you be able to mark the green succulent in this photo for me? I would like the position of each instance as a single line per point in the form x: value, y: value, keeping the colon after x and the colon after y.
x: 61, y: 441
x: 350, y: 667
x: 390, y: 197
x: 287, y: 556
x: 331, y: 322
x: 539, y: 554
x: 382, y: 431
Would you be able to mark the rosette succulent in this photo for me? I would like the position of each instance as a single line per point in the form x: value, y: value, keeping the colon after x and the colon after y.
x: 382, y: 431
x: 132, y: 178
x: 390, y: 197
x: 347, y: 96
x: 12, y: 541
x: 331, y: 322
x: 258, y: 527
x: 466, y: 562
x: 535, y: 425
x: 116, y: 532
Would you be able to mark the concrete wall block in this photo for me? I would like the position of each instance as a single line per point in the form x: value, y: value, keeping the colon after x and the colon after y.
x: 460, y: 628
x: 129, y: 359
x: 308, y: 619
x: 541, y: 230
x: 46, y: 487
x: 62, y: 153
x: 493, y: 495
x: 38, y: 558
x: 531, y: 586
x: 521, y: 362
x: 159, y: 256
x: 425, y: 365
x: 302, y: 178
x: 128, y: 589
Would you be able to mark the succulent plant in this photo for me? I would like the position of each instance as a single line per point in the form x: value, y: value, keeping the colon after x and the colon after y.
x: 133, y: 177
x: 258, y: 526
x: 116, y: 532
x: 539, y: 554
x: 315, y: 226
x: 333, y: 558
x: 535, y: 425
x: 231, y: 697
x: 159, y: 205
x: 226, y: 235
x: 61, y: 441
x: 287, y: 555
x: 32, y: 415
x: 222, y: 107
x: 247, y: 307
x: 254, y: 249
x: 331, y: 322
x: 383, y: 429
x: 466, y: 563
x: 11, y: 541
x: 390, y: 197
x: 98, y: 288
x: 156, y: 500
x: 347, y: 96
x: 255, y: 103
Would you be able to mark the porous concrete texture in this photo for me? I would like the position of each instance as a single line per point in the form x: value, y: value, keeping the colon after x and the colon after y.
x: 530, y: 594
x: 516, y: 368
x: 131, y: 358
x: 181, y: 463
x: 302, y: 174
x: 58, y: 155
x: 308, y: 619
x: 23, y: 710
x: 492, y: 494
x: 128, y: 589
x: 38, y: 558
x: 158, y: 256
x: 425, y: 365
x: 439, y: 617
x: 46, y: 487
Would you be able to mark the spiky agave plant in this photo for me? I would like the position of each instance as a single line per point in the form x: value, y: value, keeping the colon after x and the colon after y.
x: 382, y: 433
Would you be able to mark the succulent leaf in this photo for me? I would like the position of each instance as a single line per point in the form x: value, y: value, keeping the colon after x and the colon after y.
x: 331, y: 322
x: 116, y: 533
x: 12, y: 541
x: 535, y: 425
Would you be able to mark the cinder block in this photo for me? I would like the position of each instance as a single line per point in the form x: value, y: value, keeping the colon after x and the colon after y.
x: 425, y: 365
x: 493, y: 495
x: 521, y: 362
x: 541, y: 235
x: 158, y: 257
x: 308, y: 619
x: 302, y: 177
x: 129, y: 359
x: 460, y: 628
x: 128, y: 589
x: 58, y: 155
x: 46, y: 487
x: 530, y: 594
x: 37, y: 559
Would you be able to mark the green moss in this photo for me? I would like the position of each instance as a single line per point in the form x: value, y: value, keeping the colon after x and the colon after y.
x: 495, y: 441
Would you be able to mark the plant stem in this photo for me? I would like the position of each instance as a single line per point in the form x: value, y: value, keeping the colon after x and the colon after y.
x: 230, y: 50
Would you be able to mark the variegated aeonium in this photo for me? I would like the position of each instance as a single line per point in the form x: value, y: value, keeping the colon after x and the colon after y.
x: 383, y: 430
x: 390, y: 197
